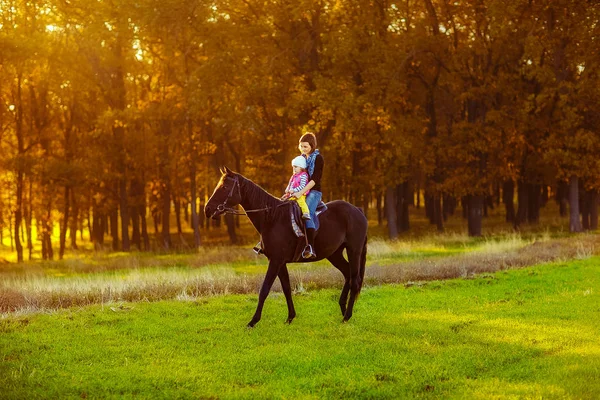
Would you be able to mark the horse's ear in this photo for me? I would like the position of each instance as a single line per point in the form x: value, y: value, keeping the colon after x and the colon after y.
x: 227, y: 170
x: 222, y: 170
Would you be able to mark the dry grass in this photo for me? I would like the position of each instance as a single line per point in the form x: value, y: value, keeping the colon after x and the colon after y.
x: 99, y: 262
x: 147, y: 279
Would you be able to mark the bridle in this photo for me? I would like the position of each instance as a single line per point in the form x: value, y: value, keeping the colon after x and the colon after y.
x: 223, y: 208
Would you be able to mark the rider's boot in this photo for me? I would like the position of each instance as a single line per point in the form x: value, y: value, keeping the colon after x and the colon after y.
x: 308, y: 251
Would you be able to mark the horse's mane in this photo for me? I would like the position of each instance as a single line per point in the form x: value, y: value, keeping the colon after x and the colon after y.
x: 257, y: 195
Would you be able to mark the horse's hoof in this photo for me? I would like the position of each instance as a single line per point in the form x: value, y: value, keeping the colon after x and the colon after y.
x: 250, y: 325
x: 289, y: 321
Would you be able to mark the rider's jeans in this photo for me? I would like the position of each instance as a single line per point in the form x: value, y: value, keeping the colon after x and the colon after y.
x: 313, y: 199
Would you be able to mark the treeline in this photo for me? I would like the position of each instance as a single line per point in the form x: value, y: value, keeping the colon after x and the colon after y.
x: 112, y: 112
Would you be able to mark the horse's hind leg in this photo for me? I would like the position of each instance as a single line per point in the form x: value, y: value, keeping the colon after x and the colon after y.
x: 338, y: 261
x: 354, y: 258
x: 284, y: 278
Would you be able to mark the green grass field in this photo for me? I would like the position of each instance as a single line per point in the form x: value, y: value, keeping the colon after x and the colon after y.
x: 527, y: 333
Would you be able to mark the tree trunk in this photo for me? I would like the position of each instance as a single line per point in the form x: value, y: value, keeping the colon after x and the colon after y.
x: 418, y: 196
x: 177, y: 204
x: 523, y: 203
x: 533, y: 209
x: 44, y: 217
x: 20, y: 174
x: 165, y: 181
x: 594, y: 210
x: 437, y: 209
x: 29, y: 221
x: 390, y: 212
x: 145, y: 237
x: 155, y: 219
x: 475, y: 214
x: 497, y: 196
x: 562, y: 197
x: 114, y: 229
x: 47, y: 232
x: 365, y: 203
x: 230, y: 222
x: 508, y: 195
x: 96, y: 233
x: 124, y: 209
x: 449, y: 205
x: 200, y: 214
x: 12, y: 237
x: 584, y: 207
x: 90, y: 218
x: 429, y: 207
x: 574, y: 221
x: 193, y: 195
x: 65, y: 224
x: 379, y: 209
x: 104, y: 227
x: 74, y: 220
x: 166, y: 223
x: 137, y: 200
x: 118, y: 99
x: 186, y: 212
x: 403, y: 199
x: 545, y: 195
x: 485, y: 206
x: 19, y: 215
x: 135, y: 227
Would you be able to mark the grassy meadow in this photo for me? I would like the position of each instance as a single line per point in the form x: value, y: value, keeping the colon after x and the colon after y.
x: 508, y: 315
x: 522, y: 333
x: 106, y: 278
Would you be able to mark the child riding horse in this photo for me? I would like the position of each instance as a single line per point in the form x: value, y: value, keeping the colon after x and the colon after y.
x: 342, y: 226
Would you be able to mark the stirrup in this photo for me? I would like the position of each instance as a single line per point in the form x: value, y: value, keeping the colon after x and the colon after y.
x: 258, y: 249
x: 308, y: 252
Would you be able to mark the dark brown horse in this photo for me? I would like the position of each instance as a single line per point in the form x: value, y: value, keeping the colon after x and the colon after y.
x: 342, y: 226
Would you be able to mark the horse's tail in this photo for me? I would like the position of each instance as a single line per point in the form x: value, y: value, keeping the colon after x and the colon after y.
x: 363, y: 258
x: 363, y: 263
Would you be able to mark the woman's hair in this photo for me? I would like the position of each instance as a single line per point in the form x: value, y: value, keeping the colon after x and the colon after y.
x: 311, y: 139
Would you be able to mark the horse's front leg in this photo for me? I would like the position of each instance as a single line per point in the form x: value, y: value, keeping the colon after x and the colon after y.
x: 284, y: 278
x: 272, y: 272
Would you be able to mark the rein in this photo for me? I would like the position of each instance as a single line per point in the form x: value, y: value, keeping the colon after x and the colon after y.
x: 223, y: 208
x: 229, y: 210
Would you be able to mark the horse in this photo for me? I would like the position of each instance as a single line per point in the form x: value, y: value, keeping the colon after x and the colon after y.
x: 342, y: 226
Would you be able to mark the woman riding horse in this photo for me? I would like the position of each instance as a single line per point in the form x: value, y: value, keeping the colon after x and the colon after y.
x: 342, y: 227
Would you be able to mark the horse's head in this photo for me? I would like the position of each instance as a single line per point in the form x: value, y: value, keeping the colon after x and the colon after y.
x: 225, y: 196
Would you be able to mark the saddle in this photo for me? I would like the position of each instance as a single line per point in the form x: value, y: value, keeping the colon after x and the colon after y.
x: 297, y: 220
x: 298, y: 226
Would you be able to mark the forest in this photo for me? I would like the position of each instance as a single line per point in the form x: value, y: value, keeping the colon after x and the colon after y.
x: 118, y: 114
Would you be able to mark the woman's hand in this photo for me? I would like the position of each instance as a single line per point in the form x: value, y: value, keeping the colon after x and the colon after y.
x: 297, y: 195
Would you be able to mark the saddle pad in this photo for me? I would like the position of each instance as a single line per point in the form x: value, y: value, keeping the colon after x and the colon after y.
x: 295, y: 225
x: 296, y: 215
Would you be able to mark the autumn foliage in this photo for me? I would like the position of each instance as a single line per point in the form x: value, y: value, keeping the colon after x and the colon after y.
x: 115, y: 113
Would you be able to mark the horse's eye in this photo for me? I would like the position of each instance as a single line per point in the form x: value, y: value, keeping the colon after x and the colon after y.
x: 225, y: 187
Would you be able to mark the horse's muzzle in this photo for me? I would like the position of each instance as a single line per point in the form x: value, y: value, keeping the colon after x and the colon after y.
x: 210, y: 213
